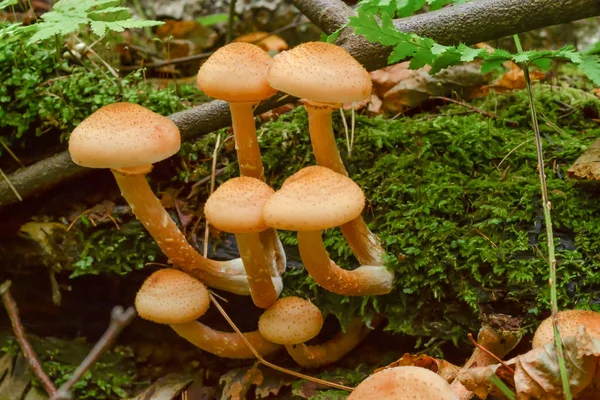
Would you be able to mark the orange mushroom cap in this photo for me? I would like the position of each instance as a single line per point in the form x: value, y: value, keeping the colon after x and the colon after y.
x: 291, y: 320
x: 236, y: 73
x: 568, y: 322
x: 123, y: 135
x: 321, y: 72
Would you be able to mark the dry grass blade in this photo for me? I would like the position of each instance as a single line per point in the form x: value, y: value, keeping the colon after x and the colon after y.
x: 212, y: 189
x: 13, y: 155
x: 346, y: 130
x: 269, y: 364
x: 11, y: 185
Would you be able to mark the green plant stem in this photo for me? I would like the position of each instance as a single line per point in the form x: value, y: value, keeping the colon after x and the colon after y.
x: 546, y: 205
x: 230, y: 21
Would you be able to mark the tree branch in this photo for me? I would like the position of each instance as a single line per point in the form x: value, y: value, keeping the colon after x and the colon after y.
x: 469, y: 23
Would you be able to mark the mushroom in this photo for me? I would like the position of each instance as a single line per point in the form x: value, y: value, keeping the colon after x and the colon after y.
x: 568, y: 322
x: 317, y: 198
x: 325, y: 76
x: 128, y: 139
x: 236, y: 207
x: 405, y: 382
x: 172, y: 297
x: 292, y: 321
x: 236, y: 73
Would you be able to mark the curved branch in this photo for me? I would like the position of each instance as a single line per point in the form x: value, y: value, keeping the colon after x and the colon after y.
x: 471, y: 22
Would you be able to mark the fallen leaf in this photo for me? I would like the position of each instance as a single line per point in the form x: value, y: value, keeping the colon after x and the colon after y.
x: 587, y: 166
x: 166, y: 388
x: 267, y: 42
x: 238, y: 381
x: 477, y: 380
x: 514, y: 78
x: 419, y: 360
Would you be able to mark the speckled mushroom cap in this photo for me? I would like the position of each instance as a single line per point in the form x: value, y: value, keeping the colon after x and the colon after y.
x: 170, y: 296
x: 236, y: 73
x: 291, y: 320
x: 123, y: 135
x: 404, y: 383
x: 320, y: 72
x: 237, y: 205
x: 313, y: 199
x: 568, y: 322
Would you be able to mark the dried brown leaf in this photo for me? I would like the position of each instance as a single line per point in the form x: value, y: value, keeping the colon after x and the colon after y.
x: 537, y: 374
x: 239, y: 381
x: 587, y: 166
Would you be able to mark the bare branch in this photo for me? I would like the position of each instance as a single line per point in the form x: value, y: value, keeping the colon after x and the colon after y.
x: 28, y: 352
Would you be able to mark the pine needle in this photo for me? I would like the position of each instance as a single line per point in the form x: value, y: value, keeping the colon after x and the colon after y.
x: 212, y: 189
x: 11, y: 185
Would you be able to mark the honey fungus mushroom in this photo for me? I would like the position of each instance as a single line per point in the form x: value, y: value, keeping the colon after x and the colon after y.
x: 237, y: 207
x: 236, y: 74
x: 568, y: 323
x: 172, y: 297
x: 325, y: 76
x: 310, y: 201
x: 404, y: 383
x: 128, y: 139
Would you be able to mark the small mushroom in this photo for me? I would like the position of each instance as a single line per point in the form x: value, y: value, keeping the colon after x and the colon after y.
x: 291, y: 320
x: 236, y: 73
x: 568, y: 322
x: 236, y: 207
x: 172, y: 297
x: 310, y: 201
x: 405, y: 382
x: 128, y: 139
x: 325, y: 76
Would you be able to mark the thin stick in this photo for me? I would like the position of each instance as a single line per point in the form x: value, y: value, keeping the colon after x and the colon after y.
x: 546, y: 205
x: 119, y: 319
x: 28, y: 352
x: 489, y: 353
x: 230, y: 22
x: 346, y: 130
x: 353, y: 124
x: 13, y: 155
x: 11, y: 185
x: 267, y: 363
x: 212, y: 189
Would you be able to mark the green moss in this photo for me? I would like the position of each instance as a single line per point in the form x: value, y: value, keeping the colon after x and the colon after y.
x: 43, y: 95
x: 458, y: 195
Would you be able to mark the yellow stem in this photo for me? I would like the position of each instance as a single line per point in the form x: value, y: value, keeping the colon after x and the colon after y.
x: 246, y: 142
x: 263, y: 292
x: 226, y: 275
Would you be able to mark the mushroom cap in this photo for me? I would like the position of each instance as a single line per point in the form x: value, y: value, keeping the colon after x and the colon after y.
x: 313, y: 199
x: 237, y: 205
x: 291, y: 320
x: 123, y: 135
x: 406, y: 383
x: 568, y: 322
x: 172, y: 297
x: 236, y: 72
x: 321, y: 72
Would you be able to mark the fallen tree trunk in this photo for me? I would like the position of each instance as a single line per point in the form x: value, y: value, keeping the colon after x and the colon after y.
x: 469, y: 23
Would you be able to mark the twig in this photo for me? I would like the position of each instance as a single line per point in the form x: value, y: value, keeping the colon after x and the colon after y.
x: 28, y: 352
x: 267, y: 363
x: 546, y: 205
x: 119, y: 319
x: 477, y: 110
x: 212, y: 189
x: 13, y: 155
x: 489, y: 353
x: 230, y: 22
x: 12, y: 187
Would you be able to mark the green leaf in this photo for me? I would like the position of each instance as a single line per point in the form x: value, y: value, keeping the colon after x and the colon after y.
x: 421, y: 58
x: 7, y: 3
x: 467, y: 54
x: 448, y: 58
x: 402, y: 51
x: 490, y: 65
x: 590, y: 65
x: 521, y: 57
x: 542, y: 63
x: 213, y: 19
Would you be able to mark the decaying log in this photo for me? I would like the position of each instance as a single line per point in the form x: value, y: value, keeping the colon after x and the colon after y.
x: 471, y: 22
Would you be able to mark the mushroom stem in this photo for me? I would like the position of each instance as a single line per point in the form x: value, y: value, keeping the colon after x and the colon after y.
x: 249, y: 158
x: 363, y: 281
x: 224, y: 344
x: 331, y: 351
x: 263, y: 293
x: 225, y: 275
x: 246, y: 142
x: 364, y: 243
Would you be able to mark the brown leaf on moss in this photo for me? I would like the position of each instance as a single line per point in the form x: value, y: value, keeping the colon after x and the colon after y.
x: 587, y: 166
x: 419, y: 360
x: 514, y: 79
x: 477, y: 380
x: 537, y: 375
x: 238, y: 381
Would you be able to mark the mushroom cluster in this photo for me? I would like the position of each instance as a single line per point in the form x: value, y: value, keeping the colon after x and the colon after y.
x: 128, y: 139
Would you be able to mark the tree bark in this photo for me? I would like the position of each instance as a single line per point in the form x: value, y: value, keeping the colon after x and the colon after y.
x: 469, y: 23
